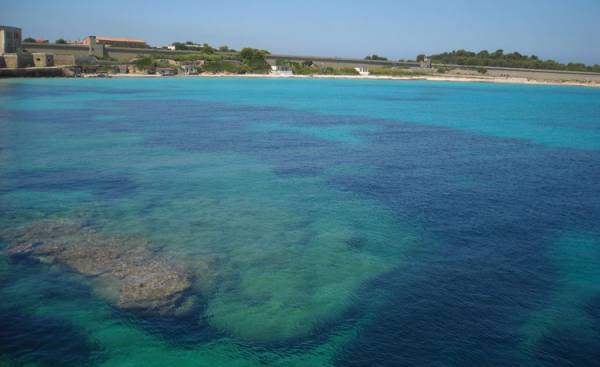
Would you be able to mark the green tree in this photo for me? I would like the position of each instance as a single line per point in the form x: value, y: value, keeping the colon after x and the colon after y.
x: 254, y: 59
x: 376, y: 57
x: 207, y: 49
x: 511, y: 60
x: 61, y: 41
x: 421, y: 58
x: 29, y: 39
x: 180, y: 46
x: 144, y: 63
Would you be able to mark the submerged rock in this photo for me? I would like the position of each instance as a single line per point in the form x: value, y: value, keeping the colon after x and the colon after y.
x: 125, y: 269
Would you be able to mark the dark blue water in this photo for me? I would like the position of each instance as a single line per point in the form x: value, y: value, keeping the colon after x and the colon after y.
x: 349, y: 223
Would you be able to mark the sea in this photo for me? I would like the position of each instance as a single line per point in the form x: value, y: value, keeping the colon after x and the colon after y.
x: 344, y: 222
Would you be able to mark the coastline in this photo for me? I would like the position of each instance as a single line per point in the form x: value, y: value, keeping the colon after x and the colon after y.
x: 435, y: 78
x: 449, y: 78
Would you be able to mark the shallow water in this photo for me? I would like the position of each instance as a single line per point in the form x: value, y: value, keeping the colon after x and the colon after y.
x: 344, y: 222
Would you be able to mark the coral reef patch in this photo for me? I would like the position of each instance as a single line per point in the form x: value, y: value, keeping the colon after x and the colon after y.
x: 128, y: 271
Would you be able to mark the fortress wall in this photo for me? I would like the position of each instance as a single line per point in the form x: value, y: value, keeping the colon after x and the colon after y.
x: 56, y: 49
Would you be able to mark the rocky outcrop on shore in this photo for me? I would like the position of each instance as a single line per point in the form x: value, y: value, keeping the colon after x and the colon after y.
x: 125, y: 270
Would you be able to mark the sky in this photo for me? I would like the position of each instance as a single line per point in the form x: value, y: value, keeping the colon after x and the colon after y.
x: 567, y: 31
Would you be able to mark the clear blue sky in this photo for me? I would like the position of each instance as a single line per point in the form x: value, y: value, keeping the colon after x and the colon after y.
x: 566, y: 30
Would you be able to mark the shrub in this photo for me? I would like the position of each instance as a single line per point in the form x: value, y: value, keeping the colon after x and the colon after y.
x: 255, y: 59
x: 144, y: 63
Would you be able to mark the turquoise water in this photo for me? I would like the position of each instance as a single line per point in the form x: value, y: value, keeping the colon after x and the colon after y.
x: 322, y: 222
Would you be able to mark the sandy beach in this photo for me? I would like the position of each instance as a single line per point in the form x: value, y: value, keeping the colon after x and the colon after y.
x: 449, y: 78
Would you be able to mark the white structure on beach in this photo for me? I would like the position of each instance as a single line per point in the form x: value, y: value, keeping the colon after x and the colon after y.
x: 362, y: 71
x: 281, y: 70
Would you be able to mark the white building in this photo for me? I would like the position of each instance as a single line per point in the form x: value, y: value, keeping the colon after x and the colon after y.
x: 281, y: 70
x: 362, y: 71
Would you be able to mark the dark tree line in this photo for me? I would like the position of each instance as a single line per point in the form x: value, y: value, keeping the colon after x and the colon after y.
x: 376, y: 57
x: 509, y: 60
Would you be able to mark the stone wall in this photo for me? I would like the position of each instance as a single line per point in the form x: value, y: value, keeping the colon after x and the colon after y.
x: 35, y: 72
x: 64, y: 60
x: 546, y: 75
x: 18, y: 60
x: 116, y: 53
x: 43, y: 59
x: 340, y: 62
x: 74, y: 50
x: 530, y: 74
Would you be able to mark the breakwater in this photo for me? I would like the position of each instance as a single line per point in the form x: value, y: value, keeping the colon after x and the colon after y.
x: 38, y: 72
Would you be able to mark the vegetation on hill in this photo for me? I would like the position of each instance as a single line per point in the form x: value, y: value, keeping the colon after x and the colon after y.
x: 226, y: 49
x: 395, y: 71
x: 309, y: 68
x: 144, y: 63
x: 190, y: 46
x: 376, y: 57
x: 509, y: 60
x: 225, y: 66
x: 249, y: 60
x: 255, y: 59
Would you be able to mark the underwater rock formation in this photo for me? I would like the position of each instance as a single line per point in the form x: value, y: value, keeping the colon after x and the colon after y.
x: 125, y: 270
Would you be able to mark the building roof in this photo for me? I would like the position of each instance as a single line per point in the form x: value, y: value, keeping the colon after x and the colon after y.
x: 11, y: 28
x: 115, y: 39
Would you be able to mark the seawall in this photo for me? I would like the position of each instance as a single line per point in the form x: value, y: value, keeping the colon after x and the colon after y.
x: 48, y: 72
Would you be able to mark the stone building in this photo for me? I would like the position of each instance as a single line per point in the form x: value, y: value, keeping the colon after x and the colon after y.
x: 10, y: 39
x: 11, y: 54
x: 115, y: 42
x: 362, y: 71
x: 190, y: 67
x: 41, y: 59
x: 425, y: 63
x: 18, y: 60
x: 281, y: 70
x: 95, y: 48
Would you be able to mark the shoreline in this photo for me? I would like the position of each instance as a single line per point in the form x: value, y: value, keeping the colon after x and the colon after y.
x: 435, y: 78
x: 449, y: 78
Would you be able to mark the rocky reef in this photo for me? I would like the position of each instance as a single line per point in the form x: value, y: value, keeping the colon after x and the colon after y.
x: 126, y: 270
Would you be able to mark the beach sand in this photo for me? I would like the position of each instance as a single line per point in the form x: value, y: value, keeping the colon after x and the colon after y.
x: 439, y: 78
